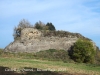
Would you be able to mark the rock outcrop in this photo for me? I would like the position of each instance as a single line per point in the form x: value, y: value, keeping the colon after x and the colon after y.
x: 33, y: 40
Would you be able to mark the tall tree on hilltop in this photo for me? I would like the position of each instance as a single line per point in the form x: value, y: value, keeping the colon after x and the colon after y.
x: 39, y: 25
x: 50, y: 26
x: 22, y: 24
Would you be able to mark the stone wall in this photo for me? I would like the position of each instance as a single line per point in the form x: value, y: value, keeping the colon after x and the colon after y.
x: 32, y: 40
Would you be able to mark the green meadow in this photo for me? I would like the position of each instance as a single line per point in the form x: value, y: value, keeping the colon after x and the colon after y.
x: 30, y: 64
x: 54, y: 66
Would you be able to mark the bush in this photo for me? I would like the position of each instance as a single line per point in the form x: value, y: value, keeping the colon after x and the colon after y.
x: 83, y: 51
x: 55, y: 55
x: 97, y: 57
x: 51, y: 54
x: 1, y: 51
x: 39, y: 25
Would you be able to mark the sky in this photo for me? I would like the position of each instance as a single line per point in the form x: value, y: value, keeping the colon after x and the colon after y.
x: 78, y: 16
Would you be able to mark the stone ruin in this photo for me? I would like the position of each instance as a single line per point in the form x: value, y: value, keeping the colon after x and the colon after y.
x: 32, y: 40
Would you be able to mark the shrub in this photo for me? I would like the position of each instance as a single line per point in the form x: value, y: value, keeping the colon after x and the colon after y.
x: 55, y: 55
x: 39, y: 25
x: 83, y: 51
x: 1, y: 51
x: 97, y: 57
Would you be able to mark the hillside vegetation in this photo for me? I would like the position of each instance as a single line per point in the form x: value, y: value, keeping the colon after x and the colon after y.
x: 83, y: 51
x: 57, y: 62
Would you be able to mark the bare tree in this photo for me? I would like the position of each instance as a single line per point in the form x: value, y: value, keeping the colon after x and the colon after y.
x: 22, y: 24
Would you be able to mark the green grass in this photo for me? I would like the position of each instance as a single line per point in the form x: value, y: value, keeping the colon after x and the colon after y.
x: 48, y: 60
x: 51, y: 65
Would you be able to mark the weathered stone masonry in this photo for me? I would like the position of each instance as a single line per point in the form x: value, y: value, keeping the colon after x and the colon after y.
x: 32, y: 40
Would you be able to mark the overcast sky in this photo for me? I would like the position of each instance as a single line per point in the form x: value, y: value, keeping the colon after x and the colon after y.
x: 81, y: 16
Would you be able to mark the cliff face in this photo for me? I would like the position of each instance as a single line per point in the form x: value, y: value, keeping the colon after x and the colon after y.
x: 33, y: 40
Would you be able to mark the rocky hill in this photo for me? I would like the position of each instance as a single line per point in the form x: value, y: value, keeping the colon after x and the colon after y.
x: 33, y: 40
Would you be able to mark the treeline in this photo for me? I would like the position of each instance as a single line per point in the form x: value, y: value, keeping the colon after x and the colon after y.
x: 47, y: 29
x: 26, y: 24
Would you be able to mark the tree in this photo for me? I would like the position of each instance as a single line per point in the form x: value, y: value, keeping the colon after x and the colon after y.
x: 83, y: 51
x: 22, y: 24
x: 39, y: 25
x: 50, y: 26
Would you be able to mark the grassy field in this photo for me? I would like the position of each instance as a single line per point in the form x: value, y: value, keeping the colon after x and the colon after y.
x: 55, y: 67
